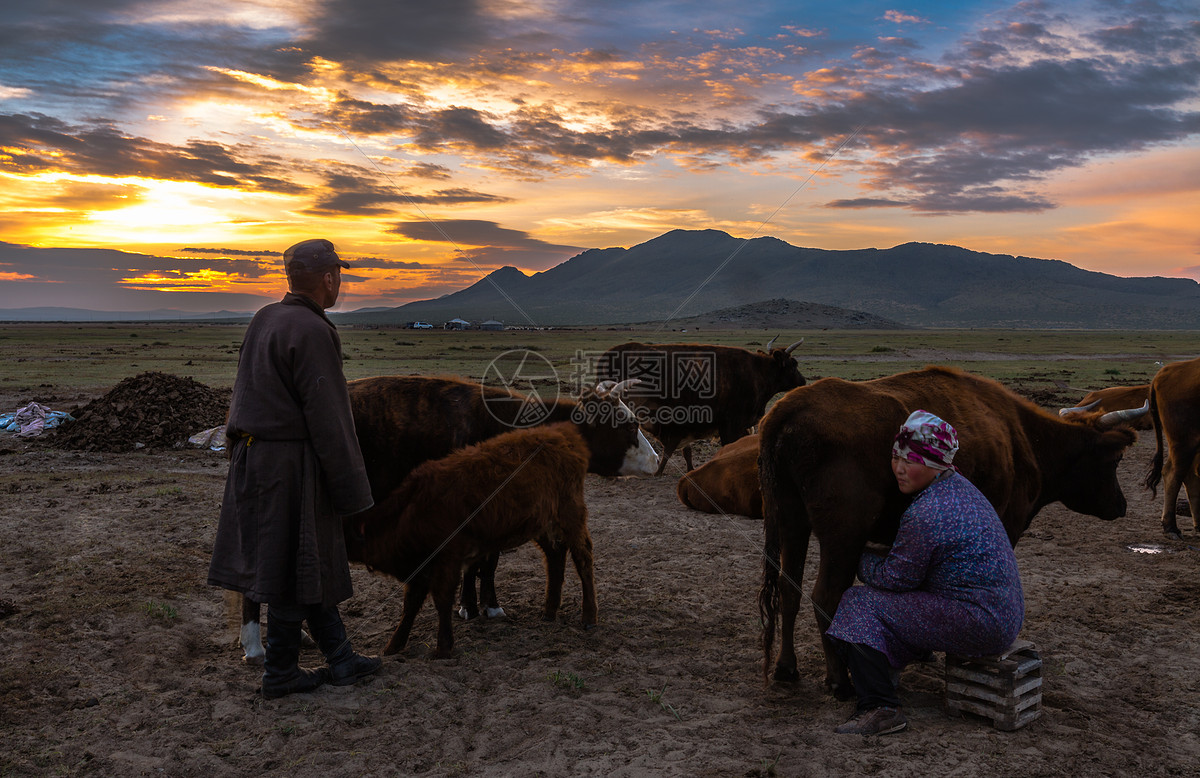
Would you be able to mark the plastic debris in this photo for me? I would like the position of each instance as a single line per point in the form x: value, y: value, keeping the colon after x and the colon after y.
x: 213, y: 439
x: 32, y: 420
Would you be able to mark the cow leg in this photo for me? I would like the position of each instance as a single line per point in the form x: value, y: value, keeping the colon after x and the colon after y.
x: 443, y: 586
x: 581, y: 554
x: 687, y: 457
x: 414, y: 596
x: 468, y: 605
x: 556, y: 565
x: 793, y: 551
x: 834, y: 576
x: 486, y: 570
x: 1171, y: 484
x: 1192, y: 484
x: 251, y: 634
x: 669, y: 446
x: 483, y: 571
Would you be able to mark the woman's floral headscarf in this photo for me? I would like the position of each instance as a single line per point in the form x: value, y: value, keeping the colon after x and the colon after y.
x: 926, y: 440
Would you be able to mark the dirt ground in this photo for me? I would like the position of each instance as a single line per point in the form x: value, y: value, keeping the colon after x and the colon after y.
x: 119, y: 660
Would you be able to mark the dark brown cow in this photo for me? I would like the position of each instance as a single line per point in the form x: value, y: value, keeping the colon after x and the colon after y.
x: 1175, y: 409
x: 690, y: 390
x: 1116, y: 398
x: 404, y: 421
x: 727, y: 483
x: 496, y: 495
x: 825, y: 468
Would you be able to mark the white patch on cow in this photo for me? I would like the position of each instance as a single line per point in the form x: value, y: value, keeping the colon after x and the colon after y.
x: 252, y: 643
x: 640, y: 459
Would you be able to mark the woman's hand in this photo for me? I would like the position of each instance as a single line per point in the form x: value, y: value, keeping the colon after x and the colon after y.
x: 878, y: 549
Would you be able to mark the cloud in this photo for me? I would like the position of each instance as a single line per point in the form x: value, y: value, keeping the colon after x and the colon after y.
x: 39, y: 143
x: 490, y: 244
x: 866, y: 202
x: 232, y: 252
x: 898, y: 17
x: 349, y: 191
x: 386, y: 30
x: 471, y: 232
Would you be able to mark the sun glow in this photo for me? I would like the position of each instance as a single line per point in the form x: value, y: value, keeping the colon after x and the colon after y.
x: 202, y: 280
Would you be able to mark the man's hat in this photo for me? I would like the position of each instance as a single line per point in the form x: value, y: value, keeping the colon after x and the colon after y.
x: 312, y: 255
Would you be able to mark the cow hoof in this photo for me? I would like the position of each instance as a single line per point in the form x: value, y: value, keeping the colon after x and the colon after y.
x: 588, y: 627
x: 467, y: 615
x: 786, y: 674
x: 494, y: 613
x: 249, y: 659
x: 306, y: 640
x: 1173, y: 535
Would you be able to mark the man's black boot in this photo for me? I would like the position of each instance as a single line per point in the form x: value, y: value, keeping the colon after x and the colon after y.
x: 282, y: 674
x: 345, y: 666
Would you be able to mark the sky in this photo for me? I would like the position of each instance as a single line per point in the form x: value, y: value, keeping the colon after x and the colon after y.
x: 164, y: 154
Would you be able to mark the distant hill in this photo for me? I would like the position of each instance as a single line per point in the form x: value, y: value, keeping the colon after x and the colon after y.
x: 687, y: 273
x: 701, y: 273
x: 50, y: 313
x: 783, y: 314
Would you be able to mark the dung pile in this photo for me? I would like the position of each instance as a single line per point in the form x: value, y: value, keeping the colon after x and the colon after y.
x: 150, y: 410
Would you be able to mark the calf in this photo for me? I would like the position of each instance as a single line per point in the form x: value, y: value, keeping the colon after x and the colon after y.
x: 727, y: 483
x: 453, y: 512
x: 403, y: 421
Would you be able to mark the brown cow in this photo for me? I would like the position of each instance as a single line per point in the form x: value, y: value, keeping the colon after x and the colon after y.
x: 1175, y: 409
x: 499, y: 494
x: 1115, y: 398
x: 825, y: 469
x: 403, y: 421
x: 690, y: 391
x: 727, y: 483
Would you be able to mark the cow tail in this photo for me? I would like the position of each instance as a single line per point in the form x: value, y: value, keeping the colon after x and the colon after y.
x: 768, y: 593
x: 1154, y: 475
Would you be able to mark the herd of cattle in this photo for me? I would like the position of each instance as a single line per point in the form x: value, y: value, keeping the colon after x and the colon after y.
x: 456, y: 481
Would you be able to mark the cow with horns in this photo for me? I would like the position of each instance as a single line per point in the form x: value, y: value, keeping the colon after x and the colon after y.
x: 1115, y: 398
x: 525, y: 485
x: 1175, y: 408
x: 689, y: 391
x: 404, y: 421
x: 824, y: 466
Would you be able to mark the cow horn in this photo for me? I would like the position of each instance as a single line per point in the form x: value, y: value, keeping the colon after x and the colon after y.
x: 614, y: 389
x: 1078, y: 408
x: 1115, y: 417
x: 792, y: 347
x: 771, y: 342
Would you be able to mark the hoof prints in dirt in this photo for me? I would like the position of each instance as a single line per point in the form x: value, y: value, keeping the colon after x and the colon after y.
x: 150, y: 410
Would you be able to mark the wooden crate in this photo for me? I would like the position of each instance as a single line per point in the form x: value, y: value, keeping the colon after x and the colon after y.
x: 1006, y: 687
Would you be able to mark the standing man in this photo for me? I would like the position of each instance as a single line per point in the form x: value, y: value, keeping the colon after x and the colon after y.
x: 295, y: 469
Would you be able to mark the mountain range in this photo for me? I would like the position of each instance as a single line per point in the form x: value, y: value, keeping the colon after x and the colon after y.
x: 690, y: 272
